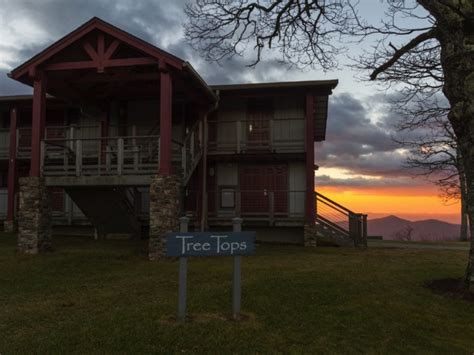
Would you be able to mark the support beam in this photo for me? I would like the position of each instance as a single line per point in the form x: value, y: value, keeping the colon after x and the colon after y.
x: 88, y: 64
x: 310, y: 209
x: 38, y: 121
x: 166, y: 91
x: 12, y: 166
x: 100, y: 52
x: 112, y: 48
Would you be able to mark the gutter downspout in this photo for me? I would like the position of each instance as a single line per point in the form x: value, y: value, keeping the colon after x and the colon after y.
x: 203, y: 223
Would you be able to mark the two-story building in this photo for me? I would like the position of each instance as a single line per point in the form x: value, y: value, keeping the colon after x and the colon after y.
x: 126, y: 137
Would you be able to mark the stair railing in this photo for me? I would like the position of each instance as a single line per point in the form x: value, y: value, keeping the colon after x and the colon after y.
x: 191, y: 151
x: 340, y: 221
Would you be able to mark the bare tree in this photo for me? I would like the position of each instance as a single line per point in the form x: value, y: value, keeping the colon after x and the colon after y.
x: 311, y: 32
x: 423, y: 125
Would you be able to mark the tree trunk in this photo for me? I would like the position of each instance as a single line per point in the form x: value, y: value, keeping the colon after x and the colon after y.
x: 455, y: 32
x: 463, y: 233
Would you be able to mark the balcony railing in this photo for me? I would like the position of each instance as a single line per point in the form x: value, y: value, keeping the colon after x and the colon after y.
x: 4, y: 143
x: 100, y: 156
x: 240, y: 136
x: 122, y: 155
x: 254, y: 205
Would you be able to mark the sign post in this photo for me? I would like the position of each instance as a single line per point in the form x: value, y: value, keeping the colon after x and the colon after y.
x: 235, y: 244
x: 236, y: 284
x: 183, y: 274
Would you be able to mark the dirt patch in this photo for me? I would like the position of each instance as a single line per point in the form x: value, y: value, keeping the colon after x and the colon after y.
x: 209, y: 317
x: 453, y: 288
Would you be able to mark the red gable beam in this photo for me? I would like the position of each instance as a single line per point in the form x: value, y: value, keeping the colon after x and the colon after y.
x: 106, y: 63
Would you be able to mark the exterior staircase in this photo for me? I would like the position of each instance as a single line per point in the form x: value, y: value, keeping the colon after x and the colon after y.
x: 111, y: 210
x: 337, y: 225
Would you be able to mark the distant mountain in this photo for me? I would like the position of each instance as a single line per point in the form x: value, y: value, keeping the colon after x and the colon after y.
x: 395, y: 228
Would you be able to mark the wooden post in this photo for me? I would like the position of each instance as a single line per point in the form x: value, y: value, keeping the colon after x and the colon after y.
x: 236, y: 275
x: 165, y: 122
x: 37, y: 121
x: 183, y: 271
x: 271, y: 203
x: 12, y: 167
x: 310, y: 200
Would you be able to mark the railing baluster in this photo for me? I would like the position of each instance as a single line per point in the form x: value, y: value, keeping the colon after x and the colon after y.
x: 191, y: 145
x: 120, y: 156
x: 183, y: 159
x: 99, y: 157
x: 78, y: 157
x: 42, y: 155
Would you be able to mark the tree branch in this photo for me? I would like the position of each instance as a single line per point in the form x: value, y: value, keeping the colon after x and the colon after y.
x: 405, y: 49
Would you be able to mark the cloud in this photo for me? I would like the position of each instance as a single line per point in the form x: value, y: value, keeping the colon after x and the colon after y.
x: 37, y: 24
x: 362, y: 147
x: 359, y: 181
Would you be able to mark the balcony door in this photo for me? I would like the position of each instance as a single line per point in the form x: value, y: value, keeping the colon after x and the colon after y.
x: 258, y: 183
x: 259, y: 113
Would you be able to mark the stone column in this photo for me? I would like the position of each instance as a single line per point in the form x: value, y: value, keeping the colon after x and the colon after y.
x: 34, y: 216
x: 165, y: 193
x: 310, y: 235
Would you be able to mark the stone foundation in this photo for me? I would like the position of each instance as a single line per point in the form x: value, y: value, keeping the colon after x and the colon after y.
x: 10, y: 226
x: 34, y: 216
x: 165, y: 193
x: 310, y: 235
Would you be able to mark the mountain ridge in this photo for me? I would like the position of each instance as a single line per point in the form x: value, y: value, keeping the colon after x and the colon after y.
x: 395, y: 228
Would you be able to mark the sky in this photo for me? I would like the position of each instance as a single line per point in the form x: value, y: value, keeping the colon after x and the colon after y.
x: 360, y: 165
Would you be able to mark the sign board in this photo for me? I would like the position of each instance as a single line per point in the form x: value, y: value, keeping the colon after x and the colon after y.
x: 210, y: 244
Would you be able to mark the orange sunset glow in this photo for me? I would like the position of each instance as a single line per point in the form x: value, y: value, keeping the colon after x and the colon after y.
x: 408, y: 203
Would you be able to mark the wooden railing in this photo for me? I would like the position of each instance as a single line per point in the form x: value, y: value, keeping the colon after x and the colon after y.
x: 191, y: 151
x: 254, y: 205
x: 340, y: 222
x: 100, y: 156
x: 239, y: 136
x: 4, y: 143
x: 130, y: 155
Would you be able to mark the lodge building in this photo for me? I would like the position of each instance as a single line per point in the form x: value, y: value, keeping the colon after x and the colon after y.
x: 126, y: 137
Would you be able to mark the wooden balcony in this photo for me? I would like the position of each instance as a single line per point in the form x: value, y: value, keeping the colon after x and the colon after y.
x: 251, y: 136
x: 84, y: 151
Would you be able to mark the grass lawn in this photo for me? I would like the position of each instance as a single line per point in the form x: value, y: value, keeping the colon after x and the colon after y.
x: 102, y: 297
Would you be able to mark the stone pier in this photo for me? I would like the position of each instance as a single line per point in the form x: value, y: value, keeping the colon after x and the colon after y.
x: 34, y: 216
x: 165, y: 193
x: 310, y: 235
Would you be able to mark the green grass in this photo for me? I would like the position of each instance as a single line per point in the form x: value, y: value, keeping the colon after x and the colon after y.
x: 103, y: 297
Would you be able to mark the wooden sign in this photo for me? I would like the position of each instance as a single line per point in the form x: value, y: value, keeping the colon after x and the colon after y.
x: 210, y: 244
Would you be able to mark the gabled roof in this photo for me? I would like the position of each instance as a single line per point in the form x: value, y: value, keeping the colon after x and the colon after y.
x: 98, y: 24
x: 331, y: 84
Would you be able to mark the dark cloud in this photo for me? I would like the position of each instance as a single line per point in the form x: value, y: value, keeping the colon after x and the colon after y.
x: 361, y: 145
x: 158, y: 22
